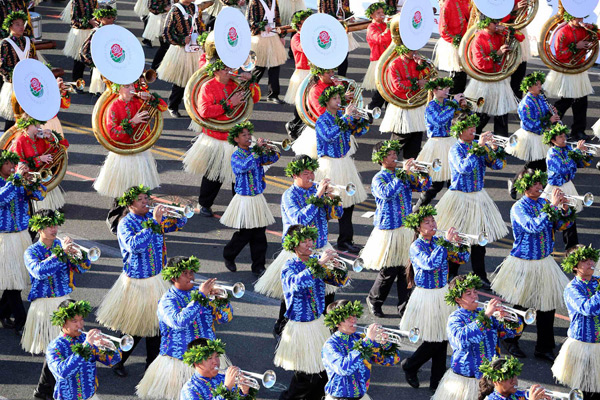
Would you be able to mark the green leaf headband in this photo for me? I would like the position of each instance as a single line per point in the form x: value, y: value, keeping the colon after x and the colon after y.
x: 557, y: 129
x: 314, y: 70
x: 216, y: 65
x: 106, y: 12
x: 581, y: 254
x: 63, y: 314
x: 237, y: 129
x: 197, y: 354
x: 413, y: 221
x: 342, y: 313
x: 12, y: 17
x: 37, y: 222
x: 202, y: 38
x: 439, y: 83
x: 175, y: 271
x: 511, y: 367
x: 470, y: 281
x: 8, y: 155
x: 458, y: 127
x: 528, y: 180
x: 330, y: 92
x: 387, y: 146
x: 568, y: 17
x: 299, y: 166
x: 300, y: 16
x: 374, y: 7
x: 532, y: 79
x: 402, y: 49
x: 24, y: 123
x: 132, y: 194
x: 484, y: 22
x: 292, y: 240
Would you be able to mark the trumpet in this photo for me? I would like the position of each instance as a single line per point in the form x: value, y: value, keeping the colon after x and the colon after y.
x: 365, y: 112
x: 245, y: 378
x: 349, y: 189
x: 466, y: 239
x: 43, y: 175
x: 342, y: 263
x: 125, y: 342
x: 394, y: 335
x: 423, y: 166
x: 237, y: 290
x: 94, y: 253
x: 587, y: 199
x: 501, y: 141
x: 175, y: 211
x: 149, y: 76
x: 513, y: 314
x: 590, y: 149
x: 73, y: 87
x: 285, y: 145
x: 479, y: 102
x: 573, y: 394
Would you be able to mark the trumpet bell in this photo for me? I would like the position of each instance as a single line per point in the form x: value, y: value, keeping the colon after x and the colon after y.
x: 480, y: 102
x: 436, y: 165
x: 150, y: 76
x: 482, y: 239
x: 188, y: 211
x: 358, y: 265
x: 376, y: 113
x: 94, y: 254
x: 126, y: 343
x: 269, y: 379
x: 588, y: 199
x: 250, y: 62
x: 530, y: 316
x: 80, y: 84
x: 513, y: 140
x: 350, y: 189
x: 414, y: 335
x: 238, y: 290
x: 286, y: 145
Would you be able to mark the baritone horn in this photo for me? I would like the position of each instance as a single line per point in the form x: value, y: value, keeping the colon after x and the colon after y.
x: 245, y: 378
x: 466, y: 239
x: 587, y: 199
x: 125, y: 342
x: 394, y: 335
x: 237, y: 289
x: 424, y: 166
x: 93, y: 253
x: 513, y: 314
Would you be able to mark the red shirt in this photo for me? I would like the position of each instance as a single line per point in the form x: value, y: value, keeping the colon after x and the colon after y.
x: 30, y: 150
x: 299, y: 56
x: 120, y: 111
x: 313, y: 97
x: 378, y: 42
x: 564, y: 36
x: 454, y: 18
x: 202, y: 60
x: 401, y: 73
x: 481, y: 49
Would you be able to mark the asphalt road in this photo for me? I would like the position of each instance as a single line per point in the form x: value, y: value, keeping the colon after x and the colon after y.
x: 249, y: 341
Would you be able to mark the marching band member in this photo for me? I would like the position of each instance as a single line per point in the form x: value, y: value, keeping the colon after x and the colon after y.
x: 210, y: 155
x: 426, y: 308
x: 499, y: 381
x: 517, y: 77
x: 72, y: 356
x: 304, y: 335
x: 388, y: 245
x: 348, y: 355
x: 248, y: 211
x: 183, y: 24
x: 185, y: 315
x: 468, y: 160
x: 82, y: 23
x: 301, y: 62
x: 131, y: 304
x: 576, y: 363
x: 379, y: 38
x: 473, y: 333
x: 124, y: 117
x: 340, y: 9
x: 142, y: 10
x: 530, y: 264
x: 266, y: 43
x: 158, y: 10
x: 438, y: 117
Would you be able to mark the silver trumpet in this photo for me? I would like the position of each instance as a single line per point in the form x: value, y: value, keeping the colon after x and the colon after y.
x: 513, y: 314
x: 125, y: 342
x: 285, y: 145
x: 590, y: 149
x: 342, y: 263
x: 350, y: 188
x: 466, y: 239
x: 573, y: 394
x: 501, y: 141
x: 94, y: 253
x: 394, y: 335
x: 424, y: 166
x: 245, y: 378
x: 175, y: 211
x: 237, y: 290
x: 43, y: 175
x: 364, y: 112
x: 587, y: 199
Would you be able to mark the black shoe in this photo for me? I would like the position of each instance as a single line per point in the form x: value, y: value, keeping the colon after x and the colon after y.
x: 174, y: 113
x: 7, y: 323
x: 37, y: 396
x: 514, y: 350
x: 348, y: 247
x: 274, y: 100
x: 206, y: 212
x: 412, y: 378
x: 258, y: 272
x: 375, y: 309
x: 147, y: 43
x: 230, y: 265
x: 548, y: 355
x: 119, y: 370
x: 512, y: 191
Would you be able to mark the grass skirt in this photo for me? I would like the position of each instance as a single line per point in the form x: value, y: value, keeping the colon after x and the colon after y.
x: 596, y: 129
x: 369, y: 79
x: 352, y: 42
x: 65, y: 15
x: 287, y: 8
x: 525, y: 46
x: 141, y: 8
x: 39, y: 331
x: 97, y: 85
x: 211, y: 158
x: 178, y: 66
x: 529, y: 147
x: 155, y: 26
x: 456, y: 387
x: 269, y: 51
x: 13, y: 273
x: 247, y: 212
x: 438, y: 147
x: 6, y: 110
x: 164, y: 379
x: 54, y: 200
x: 499, y: 97
x: 577, y: 365
x: 387, y: 248
x: 295, y: 81
x: 120, y: 172
x: 300, y: 346
x: 535, y: 284
x: 403, y: 120
x: 428, y: 311
x: 446, y: 57
x: 342, y: 171
x: 306, y: 143
x: 75, y: 41
x: 569, y: 189
x: 130, y: 305
x: 568, y: 85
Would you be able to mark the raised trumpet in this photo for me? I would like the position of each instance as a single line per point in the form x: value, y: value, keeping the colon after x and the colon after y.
x: 424, y: 166
x: 285, y: 145
x: 365, y: 112
x: 43, y: 175
x: 175, y: 211
x: 125, y: 342
x: 245, y: 378
x: 587, y: 199
x: 513, y: 314
x: 466, y: 239
x: 237, y: 290
x: 573, y: 394
x: 479, y: 102
x: 349, y: 189
x: 501, y: 141
x: 73, y: 87
x: 590, y: 149
x: 93, y: 253
x: 394, y: 335
x: 342, y: 263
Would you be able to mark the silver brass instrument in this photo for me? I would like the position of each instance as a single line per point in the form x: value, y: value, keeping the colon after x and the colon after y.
x: 365, y: 112
x: 125, y: 342
x: 245, y: 378
x: 285, y: 145
x: 479, y: 102
x: 394, y: 335
x: 43, y: 175
x: 73, y: 87
x: 349, y: 189
x: 513, y: 314
x: 175, y: 211
x: 466, y: 239
x: 573, y: 394
x: 342, y: 263
x: 587, y: 199
x: 501, y: 141
x: 93, y: 253
x: 237, y: 290
x: 590, y: 149
x: 424, y: 166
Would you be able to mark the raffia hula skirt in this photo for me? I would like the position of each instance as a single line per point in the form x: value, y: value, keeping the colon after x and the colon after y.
x: 247, y: 212
x: 577, y: 365
x: 287, y: 8
x: 402, y: 120
x: 54, y: 200
x: 499, y: 97
x: 352, y: 42
x: 342, y: 171
x: 65, y: 15
x: 74, y: 42
x: 13, y: 273
x: 300, y: 346
x: 529, y: 147
x: 141, y: 8
x: 456, y: 387
x: 428, y: 311
x: 569, y: 189
x: 269, y: 283
x: 6, y: 110
x: 438, y: 147
x: 120, y: 172
x: 164, y: 379
x: 97, y: 85
x: 295, y: 81
x: 369, y: 79
x: 445, y: 56
x: 130, y: 305
x: 39, y: 331
x: 387, y: 248
x: 178, y: 66
x: 518, y: 281
x: 307, y: 143
x: 154, y: 28
x: 211, y: 158
x: 269, y: 51
x: 568, y: 85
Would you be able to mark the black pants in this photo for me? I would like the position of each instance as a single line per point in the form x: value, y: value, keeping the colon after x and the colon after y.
x: 410, y: 142
x: 144, y: 21
x: 383, y: 284
x: 46, y: 382
x: 273, y: 76
x: 460, y: 82
x: 500, y: 124
x: 346, y: 228
x: 208, y: 192
x: 306, y: 387
x: 428, y: 195
x: 257, y: 238
x: 377, y: 100
x: 477, y: 263
x: 78, y: 70
x: 152, y: 349
x: 570, y: 237
x: 516, y: 78
x: 591, y: 396
x: 8, y: 125
x: 11, y: 304
x: 160, y: 53
x: 295, y: 125
x: 545, y: 331
x: 175, y: 97
x: 282, y: 320
x: 342, y: 69
x: 579, y: 106
x: 434, y: 351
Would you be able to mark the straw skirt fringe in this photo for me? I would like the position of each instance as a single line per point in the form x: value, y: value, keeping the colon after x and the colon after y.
x: 446, y: 56
x: 154, y: 28
x: 120, y: 172
x: 499, y: 97
x: 428, y: 311
x: 295, y: 81
x: 6, y: 110
x: 247, y: 212
x: 13, y: 273
x: 300, y: 346
x: 387, y: 248
x: 456, y: 387
x: 39, y: 331
x: 519, y: 281
x: 287, y: 8
x: 596, y: 129
x: 342, y: 171
x: 478, y: 213
x: 438, y: 147
x: 211, y: 158
x: 577, y: 365
x: 568, y: 85
x: 270, y: 52
x: 529, y: 147
x: 525, y: 46
x: 141, y: 8
x: 352, y: 42
x: 164, y: 379
x: 75, y: 41
x: 369, y: 79
x: 306, y: 143
x: 130, y: 305
x: 569, y: 189
x: 54, y: 200
x: 178, y: 66
x: 65, y: 15
x: 97, y: 85
x: 402, y: 120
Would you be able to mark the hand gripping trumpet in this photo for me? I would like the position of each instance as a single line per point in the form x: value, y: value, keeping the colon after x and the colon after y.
x: 587, y: 199
x: 424, y: 166
x: 175, y: 211
x: 590, y: 149
x: 93, y: 253
x: 501, y: 141
x: 394, y: 335
x: 573, y: 394
x: 466, y: 239
x: 125, y: 342
x: 245, y: 378
x: 513, y: 314
x: 237, y: 290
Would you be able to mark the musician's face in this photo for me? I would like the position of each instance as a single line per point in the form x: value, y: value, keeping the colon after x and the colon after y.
x: 8, y: 168
x: 585, y: 269
x: 389, y: 161
x: 125, y: 91
x: 184, y: 282
x: 576, y: 21
x: 347, y: 326
x: 32, y: 130
x: 468, y: 135
x: 72, y: 326
x: 305, y: 179
x: 560, y: 140
x: 244, y: 139
x: 441, y: 93
x: 305, y: 248
x: 492, y: 26
x: 378, y: 15
x: 222, y: 75
x: 334, y: 102
x: 428, y: 227
x: 507, y: 387
x: 327, y: 75
x: 468, y: 300
x: 49, y: 233
x: 534, y: 191
x: 208, y: 367
x: 536, y: 89
x: 17, y: 27
x: 140, y: 205
x: 107, y: 20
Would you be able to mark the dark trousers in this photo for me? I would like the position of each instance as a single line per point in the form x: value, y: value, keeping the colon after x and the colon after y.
x: 295, y: 125
x: 208, y: 192
x: 434, y: 351
x: 428, y: 195
x: 545, y: 331
x: 46, y: 382
x: 346, y: 228
x: 383, y: 284
x: 410, y: 142
x: 306, y: 387
x: 257, y: 238
x: 477, y: 263
x: 282, y: 320
x: 160, y: 53
x: 144, y: 21
x: 8, y: 125
x: 175, y: 97
x: 342, y: 69
x: 516, y: 78
x: 11, y: 304
x: 570, y: 237
x: 579, y: 107
x: 460, y: 82
x: 500, y: 123
x: 78, y: 70
x: 591, y: 396
x: 273, y: 76
x: 152, y: 349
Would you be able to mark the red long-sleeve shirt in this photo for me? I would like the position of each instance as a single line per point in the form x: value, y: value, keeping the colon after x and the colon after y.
x: 30, y: 150
x: 313, y: 97
x: 454, y: 18
x: 120, y: 113
x: 378, y: 42
x: 299, y: 56
x: 401, y: 73
x: 485, y: 45
x: 564, y: 36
